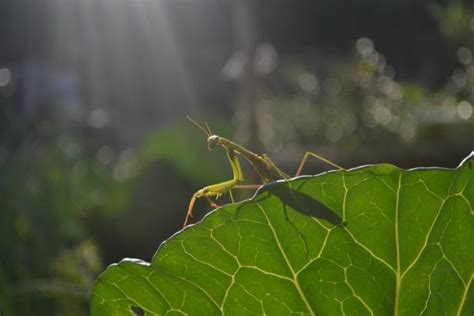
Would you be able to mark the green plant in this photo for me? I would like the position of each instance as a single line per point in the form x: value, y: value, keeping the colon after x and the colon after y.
x: 48, y: 190
x: 404, y: 248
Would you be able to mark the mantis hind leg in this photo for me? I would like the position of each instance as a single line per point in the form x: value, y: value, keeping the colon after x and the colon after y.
x: 211, y: 202
x: 311, y: 154
x: 248, y: 186
x: 244, y: 187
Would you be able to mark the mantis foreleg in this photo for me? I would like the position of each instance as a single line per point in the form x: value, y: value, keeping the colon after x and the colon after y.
x: 218, y: 189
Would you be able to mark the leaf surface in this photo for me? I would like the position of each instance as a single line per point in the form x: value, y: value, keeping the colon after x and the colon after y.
x: 381, y: 241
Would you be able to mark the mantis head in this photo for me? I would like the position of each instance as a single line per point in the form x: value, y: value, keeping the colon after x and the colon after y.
x: 212, y: 140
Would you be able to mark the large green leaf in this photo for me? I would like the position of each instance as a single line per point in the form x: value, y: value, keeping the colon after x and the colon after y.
x: 406, y: 247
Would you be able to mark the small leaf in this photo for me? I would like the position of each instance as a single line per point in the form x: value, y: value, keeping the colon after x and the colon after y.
x: 406, y: 248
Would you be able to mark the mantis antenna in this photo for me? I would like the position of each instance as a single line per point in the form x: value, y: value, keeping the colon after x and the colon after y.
x: 206, y: 131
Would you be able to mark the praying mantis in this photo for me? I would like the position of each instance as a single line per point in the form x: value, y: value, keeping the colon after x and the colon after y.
x: 263, y: 165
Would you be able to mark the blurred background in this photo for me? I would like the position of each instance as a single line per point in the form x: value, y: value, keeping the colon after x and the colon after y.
x: 97, y: 160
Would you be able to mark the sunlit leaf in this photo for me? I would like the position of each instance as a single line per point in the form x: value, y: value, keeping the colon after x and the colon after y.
x: 405, y: 247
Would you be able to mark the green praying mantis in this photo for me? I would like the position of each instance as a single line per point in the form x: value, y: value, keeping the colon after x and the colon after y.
x: 263, y: 165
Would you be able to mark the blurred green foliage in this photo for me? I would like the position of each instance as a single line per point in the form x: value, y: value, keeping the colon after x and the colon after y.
x: 455, y: 20
x: 47, y: 189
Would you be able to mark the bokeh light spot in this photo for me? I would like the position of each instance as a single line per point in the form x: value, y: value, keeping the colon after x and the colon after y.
x: 333, y: 133
x: 98, y: 118
x: 308, y: 82
x: 459, y: 77
x: 365, y: 46
x: 5, y: 76
x: 233, y: 68
x: 464, y: 55
x: 266, y: 59
x: 464, y: 110
x: 382, y: 115
x: 408, y: 129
